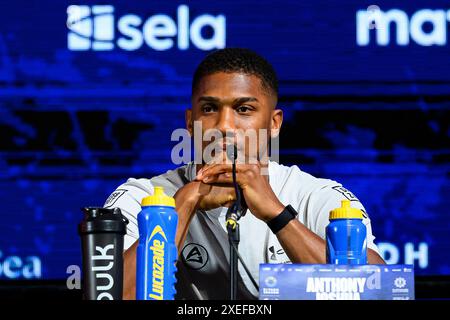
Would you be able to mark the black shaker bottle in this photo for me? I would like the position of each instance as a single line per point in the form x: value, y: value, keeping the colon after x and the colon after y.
x: 102, y: 231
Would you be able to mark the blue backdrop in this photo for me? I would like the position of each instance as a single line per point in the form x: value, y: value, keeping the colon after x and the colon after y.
x: 90, y: 94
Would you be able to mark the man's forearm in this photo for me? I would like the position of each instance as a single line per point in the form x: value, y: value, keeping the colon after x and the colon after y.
x: 185, y: 207
x: 304, y: 246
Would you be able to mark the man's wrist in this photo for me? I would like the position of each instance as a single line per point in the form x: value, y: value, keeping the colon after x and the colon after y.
x: 188, y: 197
x: 273, y: 211
x: 282, y: 219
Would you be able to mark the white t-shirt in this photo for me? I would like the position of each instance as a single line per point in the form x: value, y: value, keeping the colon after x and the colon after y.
x: 203, y: 265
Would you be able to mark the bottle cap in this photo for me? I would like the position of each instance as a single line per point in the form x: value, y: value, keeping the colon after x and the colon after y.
x: 345, y: 212
x: 103, y: 220
x: 158, y: 198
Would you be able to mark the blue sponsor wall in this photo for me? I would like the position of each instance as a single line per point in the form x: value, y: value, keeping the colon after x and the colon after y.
x: 91, y: 91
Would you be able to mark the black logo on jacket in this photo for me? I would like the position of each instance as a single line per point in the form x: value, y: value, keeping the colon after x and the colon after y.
x: 194, y: 256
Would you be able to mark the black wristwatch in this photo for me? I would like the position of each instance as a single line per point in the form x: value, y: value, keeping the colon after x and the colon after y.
x: 280, y: 221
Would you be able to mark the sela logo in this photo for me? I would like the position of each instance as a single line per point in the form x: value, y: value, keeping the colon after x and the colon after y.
x: 94, y: 28
x: 15, y: 267
x: 425, y: 27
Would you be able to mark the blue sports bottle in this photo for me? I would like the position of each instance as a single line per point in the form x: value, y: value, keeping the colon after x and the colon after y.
x: 346, y: 236
x: 156, y: 252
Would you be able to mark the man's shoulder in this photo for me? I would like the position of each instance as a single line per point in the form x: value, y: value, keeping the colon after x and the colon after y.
x: 171, y: 181
x: 300, y: 188
x: 297, y: 179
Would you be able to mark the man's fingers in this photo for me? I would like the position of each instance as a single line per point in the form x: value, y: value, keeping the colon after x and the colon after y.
x: 210, y: 170
x: 221, y: 178
x: 222, y: 173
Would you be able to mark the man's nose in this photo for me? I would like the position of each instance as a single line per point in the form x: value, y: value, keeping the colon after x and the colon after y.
x: 226, y: 121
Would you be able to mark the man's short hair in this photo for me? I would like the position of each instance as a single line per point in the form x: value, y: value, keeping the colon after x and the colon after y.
x: 237, y: 60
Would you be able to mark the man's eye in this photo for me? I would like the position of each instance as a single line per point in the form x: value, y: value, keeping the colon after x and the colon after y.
x: 209, y: 108
x: 243, y: 109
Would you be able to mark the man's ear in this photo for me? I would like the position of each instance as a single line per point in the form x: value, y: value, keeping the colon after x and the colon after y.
x: 189, y: 123
x: 276, y: 121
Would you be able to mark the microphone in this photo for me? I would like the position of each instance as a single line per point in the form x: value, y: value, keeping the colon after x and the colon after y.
x: 232, y: 152
x: 239, y: 207
x: 234, y: 213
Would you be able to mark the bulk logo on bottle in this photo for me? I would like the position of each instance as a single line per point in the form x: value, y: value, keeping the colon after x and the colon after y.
x: 103, y: 256
x: 157, y: 248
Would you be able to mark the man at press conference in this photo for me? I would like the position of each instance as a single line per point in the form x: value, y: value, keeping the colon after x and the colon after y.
x: 233, y: 90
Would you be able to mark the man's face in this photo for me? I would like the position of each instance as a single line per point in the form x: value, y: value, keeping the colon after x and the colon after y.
x: 235, y: 103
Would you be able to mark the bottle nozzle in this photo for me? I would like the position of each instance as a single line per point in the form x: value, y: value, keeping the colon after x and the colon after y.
x: 345, y: 204
x: 345, y: 211
x: 158, y: 198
